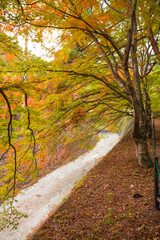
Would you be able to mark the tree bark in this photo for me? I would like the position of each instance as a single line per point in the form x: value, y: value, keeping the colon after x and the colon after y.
x: 148, y: 115
x: 153, y: 43
x: 139, y: 129
x: 143, y: 157
x: 140, y: 137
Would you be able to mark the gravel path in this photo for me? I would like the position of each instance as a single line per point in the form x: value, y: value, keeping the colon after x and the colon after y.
x: 44, y: 196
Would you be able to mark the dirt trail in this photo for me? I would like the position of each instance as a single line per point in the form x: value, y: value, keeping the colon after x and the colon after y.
x: 44, y: 196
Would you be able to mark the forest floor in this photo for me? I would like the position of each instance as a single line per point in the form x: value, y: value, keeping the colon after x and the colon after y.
x: 114, y: 201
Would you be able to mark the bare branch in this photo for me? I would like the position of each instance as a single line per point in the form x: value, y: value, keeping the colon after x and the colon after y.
x: 120, y: 12
x: 19, y: 3
x: 9, y: 129
x: 29, y: 121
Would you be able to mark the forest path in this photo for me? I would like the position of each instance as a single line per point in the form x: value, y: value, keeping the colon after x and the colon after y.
x: 45, y: 196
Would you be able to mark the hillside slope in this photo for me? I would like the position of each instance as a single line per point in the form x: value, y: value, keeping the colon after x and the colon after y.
x: 115, y: 201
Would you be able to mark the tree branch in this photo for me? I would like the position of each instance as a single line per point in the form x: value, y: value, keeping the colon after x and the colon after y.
x: 9, y: 129
x: 114, y: 8
x: 103, y: 80
x: 29, y: 122
x: 130, y: 34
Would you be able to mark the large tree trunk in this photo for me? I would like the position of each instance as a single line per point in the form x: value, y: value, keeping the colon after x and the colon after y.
x: 140, y: 137
x: 139, y: 130
x: 143, y: 157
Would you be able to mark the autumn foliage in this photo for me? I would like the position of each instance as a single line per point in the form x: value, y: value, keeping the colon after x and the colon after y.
x: 100, y: 74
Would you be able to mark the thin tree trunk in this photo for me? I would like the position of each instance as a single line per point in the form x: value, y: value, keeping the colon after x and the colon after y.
x: 153, y: 43
x: 148, y: 115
